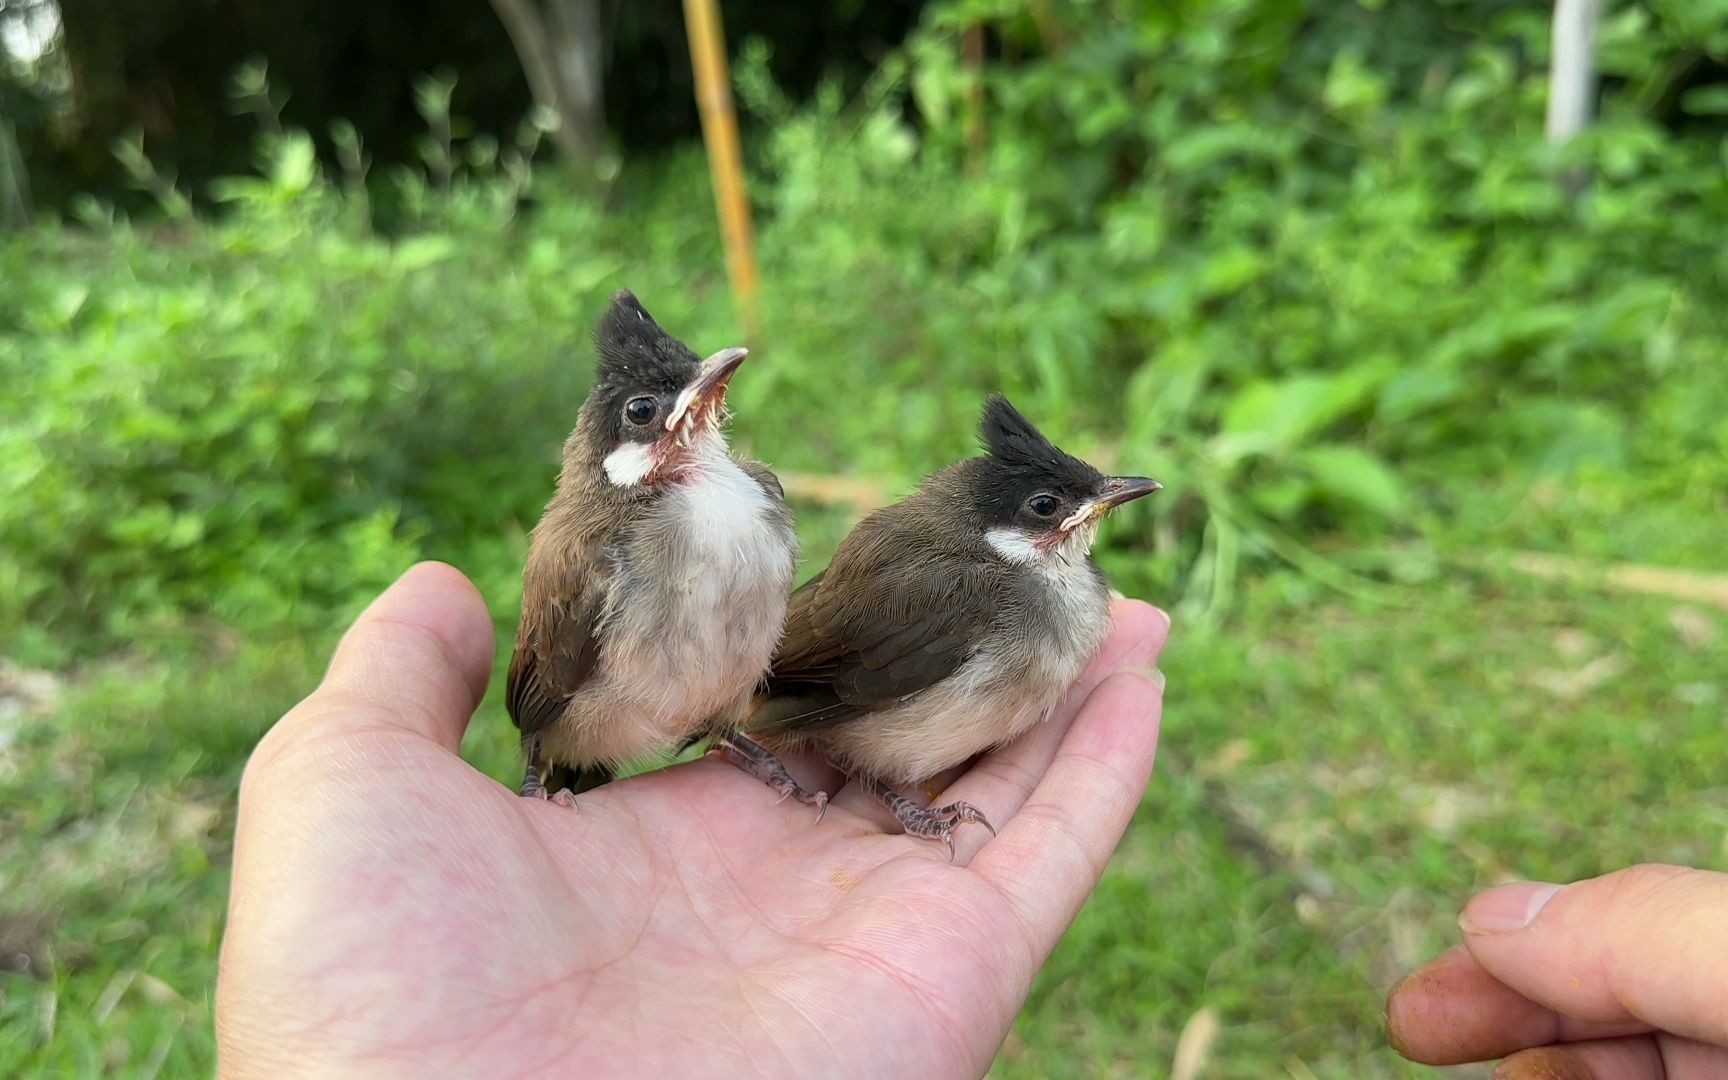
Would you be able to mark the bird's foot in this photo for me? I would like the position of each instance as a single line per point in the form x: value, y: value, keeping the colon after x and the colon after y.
x: 534, y: 788
x: 760, y: 762
x: 934, y: 823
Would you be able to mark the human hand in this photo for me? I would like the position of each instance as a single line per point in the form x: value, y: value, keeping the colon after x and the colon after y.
x: 393, y: 910
x: 1617, y: 978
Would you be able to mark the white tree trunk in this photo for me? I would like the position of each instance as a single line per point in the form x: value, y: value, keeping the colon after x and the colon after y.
x: 561, y: 51
x: 576, y: 52
x: 1572, y: 81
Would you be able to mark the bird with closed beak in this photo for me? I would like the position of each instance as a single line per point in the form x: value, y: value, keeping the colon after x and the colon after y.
x: 656, y: 582
x: 949, y: 622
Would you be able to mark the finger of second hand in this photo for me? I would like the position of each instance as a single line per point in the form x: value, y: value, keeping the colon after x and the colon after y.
x: 1451, y: 1011
x: 1048, y: 857
x: 1635, y: 1057
x: 1002, y: 780
x: 1631, y: 945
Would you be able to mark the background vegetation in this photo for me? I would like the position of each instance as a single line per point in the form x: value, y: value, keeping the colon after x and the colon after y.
x: 1310, y: 264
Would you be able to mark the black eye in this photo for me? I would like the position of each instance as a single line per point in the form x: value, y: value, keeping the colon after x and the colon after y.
x: 640, y: 410
x: 1042, y: 505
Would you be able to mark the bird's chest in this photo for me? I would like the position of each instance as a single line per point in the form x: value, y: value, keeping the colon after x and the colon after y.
x: 1064, y: 615
x: 1055, y: 627
x: 700, y: 590
x: 718, y: 541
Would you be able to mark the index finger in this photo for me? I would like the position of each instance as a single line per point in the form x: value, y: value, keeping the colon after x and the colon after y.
x: 1643, y: 944
x: 1451, y: 1011
x: 1049, y: 856
x: 1001, y: 782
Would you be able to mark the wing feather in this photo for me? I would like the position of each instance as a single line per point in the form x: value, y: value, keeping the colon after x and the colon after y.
x: 557, y: 644
x: 892, y: 633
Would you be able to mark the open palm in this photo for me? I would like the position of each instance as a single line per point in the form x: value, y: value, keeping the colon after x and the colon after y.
x: 394, y: 910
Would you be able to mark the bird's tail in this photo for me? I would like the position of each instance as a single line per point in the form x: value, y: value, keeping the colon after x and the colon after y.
x: 577, y: 780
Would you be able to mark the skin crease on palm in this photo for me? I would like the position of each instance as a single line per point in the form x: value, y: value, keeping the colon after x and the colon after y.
x: 394, y: 911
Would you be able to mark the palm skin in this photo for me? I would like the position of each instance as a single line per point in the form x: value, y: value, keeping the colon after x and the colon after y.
x: 396, y: 911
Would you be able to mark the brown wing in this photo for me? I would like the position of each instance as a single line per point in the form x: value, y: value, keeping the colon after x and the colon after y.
x: 901, y: 626
x: 556, y: 643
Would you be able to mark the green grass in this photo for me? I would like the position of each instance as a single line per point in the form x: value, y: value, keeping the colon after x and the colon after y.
x: 1337, y: 776
x: 1384, y: 763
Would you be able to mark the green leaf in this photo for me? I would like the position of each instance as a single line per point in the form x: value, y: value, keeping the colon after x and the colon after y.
x: 295, y: 165
x: 1281, y: 414
x: 419, y: 252
x: 1706, y: 100
x: 1354, y: 475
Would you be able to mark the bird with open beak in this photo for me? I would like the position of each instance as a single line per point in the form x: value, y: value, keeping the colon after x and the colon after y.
x: 656, y: 581
x: 950, y: 622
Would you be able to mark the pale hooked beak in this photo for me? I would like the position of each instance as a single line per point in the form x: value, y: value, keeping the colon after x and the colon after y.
x: 1115, y: 491
x: 708, y: 390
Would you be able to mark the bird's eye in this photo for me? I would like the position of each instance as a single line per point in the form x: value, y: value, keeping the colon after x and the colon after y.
x: 640, y: 410
x: 1042, y: 505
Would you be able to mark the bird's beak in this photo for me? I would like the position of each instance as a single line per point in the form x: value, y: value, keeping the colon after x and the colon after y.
x: 1115, y: 491
x: 705, y: 394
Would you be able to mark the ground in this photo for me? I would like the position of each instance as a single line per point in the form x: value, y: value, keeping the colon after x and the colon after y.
x: 1337, y: 774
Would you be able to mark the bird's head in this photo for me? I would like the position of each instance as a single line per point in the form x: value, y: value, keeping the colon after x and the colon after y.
x: 1036, y: 501
x: 656, y: 408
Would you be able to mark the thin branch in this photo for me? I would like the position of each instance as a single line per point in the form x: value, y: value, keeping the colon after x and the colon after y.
x: 1689, y: 585
x: 527, y: 32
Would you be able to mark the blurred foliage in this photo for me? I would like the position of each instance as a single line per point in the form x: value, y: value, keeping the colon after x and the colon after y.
x: 1309, y: 263
x: 1270, y: 252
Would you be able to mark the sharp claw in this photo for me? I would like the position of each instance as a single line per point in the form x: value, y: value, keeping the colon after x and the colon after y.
x: 821, y: 806
x: 564, y: 798
x: 976, y: 816
x: 933, y: 823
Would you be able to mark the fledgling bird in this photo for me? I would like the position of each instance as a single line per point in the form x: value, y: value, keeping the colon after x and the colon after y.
x: 949, y: 622
x: 656, y: 581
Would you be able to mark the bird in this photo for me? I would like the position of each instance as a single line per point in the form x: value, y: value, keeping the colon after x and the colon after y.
x: 949, y: 622
x: 656, y: 580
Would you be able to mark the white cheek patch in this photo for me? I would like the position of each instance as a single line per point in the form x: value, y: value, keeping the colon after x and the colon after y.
x: 1013, y: 545
x: 628, y: 465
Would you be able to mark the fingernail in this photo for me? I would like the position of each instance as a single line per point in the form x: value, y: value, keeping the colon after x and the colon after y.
x: 1156, y: 678
x: 1162, y: 614
x: 1506, y: 908
x: 1545, y: 1063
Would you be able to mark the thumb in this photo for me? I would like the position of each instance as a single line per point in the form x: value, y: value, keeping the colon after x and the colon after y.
x: 1644, y: 943
x: 416, y: 660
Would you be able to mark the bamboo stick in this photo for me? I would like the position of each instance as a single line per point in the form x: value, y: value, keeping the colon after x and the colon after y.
x: 972, y: 52
x: 725, y: 161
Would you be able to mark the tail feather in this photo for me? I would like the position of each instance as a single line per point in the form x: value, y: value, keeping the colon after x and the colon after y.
x: 578, y: 779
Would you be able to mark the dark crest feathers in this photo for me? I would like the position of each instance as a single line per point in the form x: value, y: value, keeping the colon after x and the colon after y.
x: 1010, y: 438
x: 1021, y: 460
x: 631, y: 343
